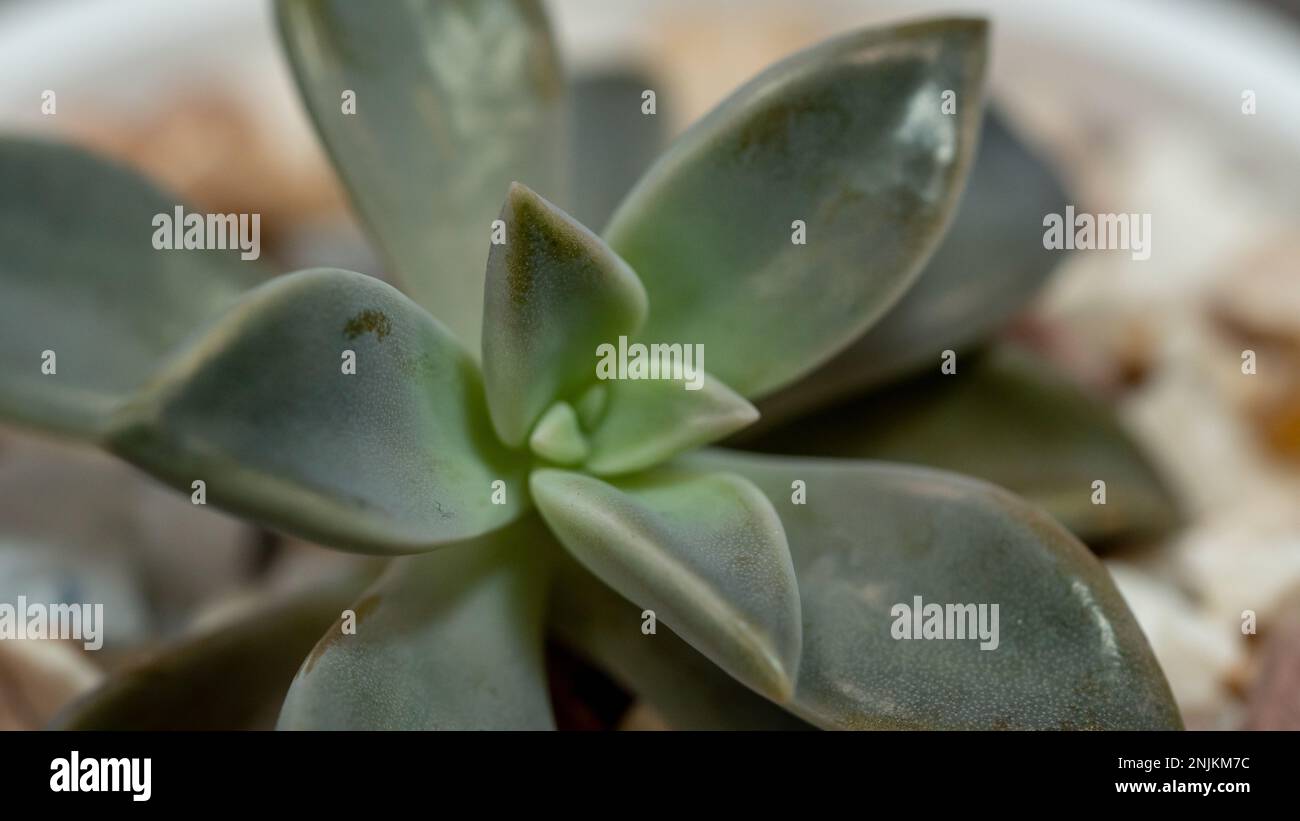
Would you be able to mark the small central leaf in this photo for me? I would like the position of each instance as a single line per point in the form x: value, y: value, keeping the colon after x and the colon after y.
x: 555, y: 293
x: 558, y: 436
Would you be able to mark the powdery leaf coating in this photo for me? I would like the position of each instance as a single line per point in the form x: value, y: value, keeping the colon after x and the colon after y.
x: 451, y: 640
x: 849, y: 137
x: 453, y: 102
x: 80, y: 277
x: 396, y: 458
x: 705, y: 551
x: 554, y: 294
x: 873, y: 535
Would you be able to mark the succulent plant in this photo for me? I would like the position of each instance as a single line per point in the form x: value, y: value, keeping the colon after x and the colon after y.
x: 521, y: 495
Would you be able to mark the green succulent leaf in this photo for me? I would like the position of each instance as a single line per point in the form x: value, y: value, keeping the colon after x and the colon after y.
x: 991, y: 262
x: 453, y: 101
x: 396, y: 457
x: 1005, y: 417
x: 705, y: 551
x: 451, y: 640
x: 869, y: 537
x: 232, y: 676
x: 848, y: 137
x: 82, y: 280
x: 684, y: 687
x: 555, y: 293
x: 647, y: 421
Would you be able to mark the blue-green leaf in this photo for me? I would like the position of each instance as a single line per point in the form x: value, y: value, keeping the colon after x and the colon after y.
x: 849, y: 138
x: 396, y: 457
x: 867, y: 537
x: 682, y: 685
x: 991, y: 262
x: 451, y: 640
x: 703, y: 550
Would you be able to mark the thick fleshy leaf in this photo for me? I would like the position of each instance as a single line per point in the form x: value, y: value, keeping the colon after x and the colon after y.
x: 870, y: 537
x: 233, y: 676
x: 647, y: 421
x: 688, y: 690
x: 81, y: 278
x: 453, y: 101
x: 1008, y: 418
x: 990, y: 263
x: 397, y: 457
x: 704, y: 550
x: 451, y: 640
x: 555, y: 294
x: 848, y: 137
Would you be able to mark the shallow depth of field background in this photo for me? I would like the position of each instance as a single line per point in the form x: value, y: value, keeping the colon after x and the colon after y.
x: 1137, y: 104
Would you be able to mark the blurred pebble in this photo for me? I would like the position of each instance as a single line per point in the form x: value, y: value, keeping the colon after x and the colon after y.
x: 1196, y: 652
x: 94, y: 517
x: 37, y: 678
